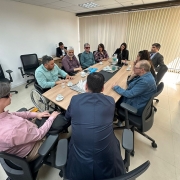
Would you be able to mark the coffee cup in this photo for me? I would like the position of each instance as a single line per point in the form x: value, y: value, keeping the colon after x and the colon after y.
x: 83, y: 74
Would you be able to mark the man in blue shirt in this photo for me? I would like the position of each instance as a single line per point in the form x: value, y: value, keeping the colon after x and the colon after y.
x: 140, y: 89
x: 87, y: 57
x: 47, y: 74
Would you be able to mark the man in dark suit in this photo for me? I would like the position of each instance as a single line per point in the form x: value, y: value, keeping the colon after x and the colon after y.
x: 158, y: 61
x: 94, y: 151
x: 61, y: 50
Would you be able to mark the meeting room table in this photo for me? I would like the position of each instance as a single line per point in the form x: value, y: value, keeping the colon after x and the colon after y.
x: 120, y: 78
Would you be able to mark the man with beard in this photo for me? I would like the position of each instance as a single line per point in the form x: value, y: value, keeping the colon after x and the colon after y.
x: 47, y: 74
x: 70, y: 62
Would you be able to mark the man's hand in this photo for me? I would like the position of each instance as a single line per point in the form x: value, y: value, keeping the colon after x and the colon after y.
x: 69, y: 77
x: 55, y: 114
x: 42, y: 114
x: 115, y: 84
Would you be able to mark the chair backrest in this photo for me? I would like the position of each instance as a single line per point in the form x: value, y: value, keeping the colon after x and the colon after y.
x: 148, y: 116
x: 29, y: 61
x: 132, y: 175
x: 161, y: 72
x: 79, y: 56
x: 1, y: 72
x: 15, y: 167
x: 160, y: 88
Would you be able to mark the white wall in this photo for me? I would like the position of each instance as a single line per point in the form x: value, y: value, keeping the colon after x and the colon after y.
x: 26, y: 29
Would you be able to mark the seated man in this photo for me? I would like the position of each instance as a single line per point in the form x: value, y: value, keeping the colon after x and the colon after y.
x: 94, y: 151
x: 18, y: 135
x: 70, y: 63
x: 140, y: 89
x: 47, y: 73
x: 61, y: 50
x: 87, y: 57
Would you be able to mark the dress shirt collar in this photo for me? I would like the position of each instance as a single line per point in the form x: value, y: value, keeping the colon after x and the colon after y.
x: 3, y: 114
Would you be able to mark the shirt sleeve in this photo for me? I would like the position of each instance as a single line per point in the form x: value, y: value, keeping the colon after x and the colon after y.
x: 96, y: 56
x: 27, y: 132
x: 137, y: 89
x: 61, y: 72
x: 84, y: 64
x: 66, y: 66
x: 25, y: 114
x: 41, y: 79
x: 68, y: 113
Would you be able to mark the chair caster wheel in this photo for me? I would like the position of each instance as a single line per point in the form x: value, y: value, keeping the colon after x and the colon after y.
x: 16, y: 92
x: 154, y: 145
x: 132, y: 153
x: 61, y: 173
x: 26, y: 87
x: 157, y: 100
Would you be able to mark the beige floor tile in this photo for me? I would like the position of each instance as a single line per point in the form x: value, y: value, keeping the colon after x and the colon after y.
x: 174, y: 104
x: 162, y: 118
x: 158, y: 170
x: 3, y: 175
x: 176, y: 146
x: 163, y: 102
x: 175, y: 122
x: 48, y: 173
x: 164, y: 140
x: 178, y: 173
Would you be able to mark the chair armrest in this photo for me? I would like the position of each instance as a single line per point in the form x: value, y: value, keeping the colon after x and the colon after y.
x: 129, y: 108
x: 10, y: 77
x: 22, y: 109
x: 20, y: 68
x: 61, y: 153
x: 127, y: 140
x: 47, y: 145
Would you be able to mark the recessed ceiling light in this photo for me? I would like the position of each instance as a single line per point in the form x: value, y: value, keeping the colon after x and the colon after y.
x: 89, y: 5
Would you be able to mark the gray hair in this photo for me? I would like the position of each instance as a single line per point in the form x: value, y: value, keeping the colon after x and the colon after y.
x: 86, y: 44
x: 144, y: 64
x: 46, y: 59
x: 4, y: 89
x: 70, y: 48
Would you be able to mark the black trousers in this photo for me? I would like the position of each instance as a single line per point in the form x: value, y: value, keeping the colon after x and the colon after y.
x: 160, y: 73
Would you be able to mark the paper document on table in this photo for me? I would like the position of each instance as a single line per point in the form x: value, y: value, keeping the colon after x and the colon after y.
x: 79, y: 87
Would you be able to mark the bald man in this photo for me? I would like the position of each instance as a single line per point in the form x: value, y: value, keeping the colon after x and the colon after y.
x: 139, y: 90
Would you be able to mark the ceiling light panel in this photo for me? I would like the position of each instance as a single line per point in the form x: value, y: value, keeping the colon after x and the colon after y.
x: 89, y: 5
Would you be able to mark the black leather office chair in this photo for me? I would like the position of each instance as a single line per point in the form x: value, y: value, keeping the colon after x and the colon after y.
x: 3, y: 79
x: 160, y: 88
x: 30, y: 64
x: 127, y: 144
x: 160, y: 73
x: 140, y: 124
x: 19, y: 169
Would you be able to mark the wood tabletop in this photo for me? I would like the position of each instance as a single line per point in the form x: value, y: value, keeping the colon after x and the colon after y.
x: 120, y: 78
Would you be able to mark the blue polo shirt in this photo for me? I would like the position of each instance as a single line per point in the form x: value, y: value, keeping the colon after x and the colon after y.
x: 46, y: 78
x: 87, y: 59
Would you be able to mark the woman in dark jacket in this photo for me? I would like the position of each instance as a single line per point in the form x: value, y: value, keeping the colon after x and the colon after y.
x: 143, y: 55
x: 122, y: 53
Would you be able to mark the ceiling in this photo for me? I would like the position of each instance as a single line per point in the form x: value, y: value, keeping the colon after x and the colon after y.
x: 73, y: 5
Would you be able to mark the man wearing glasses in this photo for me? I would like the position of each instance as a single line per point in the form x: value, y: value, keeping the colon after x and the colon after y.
x: 140, y: 89
x: 87, y: 58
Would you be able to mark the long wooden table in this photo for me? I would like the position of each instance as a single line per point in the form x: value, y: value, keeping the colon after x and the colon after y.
x: 120, y: 78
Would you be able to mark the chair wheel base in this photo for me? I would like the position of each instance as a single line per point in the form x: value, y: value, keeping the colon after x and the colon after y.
x: 61, y: 173
x: 132, y: 153
x: 154, y: 145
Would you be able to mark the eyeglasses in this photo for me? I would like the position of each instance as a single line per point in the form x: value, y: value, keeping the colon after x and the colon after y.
x: 87, y: 47
x: 7, y: 96
x: 137, y: 68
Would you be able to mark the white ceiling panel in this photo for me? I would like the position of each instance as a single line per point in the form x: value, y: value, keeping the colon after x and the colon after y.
x: 105, y: 2
x: 132, y: 3
x: 73, y: 5
x: 113, y: 6
x: 58, y: 4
